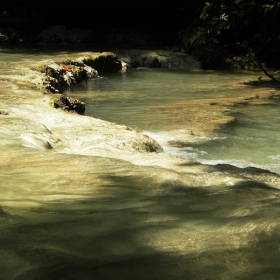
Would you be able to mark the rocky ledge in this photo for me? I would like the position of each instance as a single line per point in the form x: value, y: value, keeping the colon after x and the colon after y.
x: 55, y: 76
x: 53, y: 120
x: 45, y: 122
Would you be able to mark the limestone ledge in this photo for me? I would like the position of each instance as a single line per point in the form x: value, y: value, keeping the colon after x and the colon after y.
x: 28, y: 120
x: 55, y: 76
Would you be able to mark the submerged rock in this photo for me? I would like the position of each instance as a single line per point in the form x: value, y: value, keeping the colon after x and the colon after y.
x: 146, y: 144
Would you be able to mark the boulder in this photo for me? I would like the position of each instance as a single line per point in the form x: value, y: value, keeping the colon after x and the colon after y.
x: 63, y: 74
x: 68, y: 104
x: 106, y: 62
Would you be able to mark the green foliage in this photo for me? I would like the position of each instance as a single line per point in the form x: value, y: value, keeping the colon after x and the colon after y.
x: 52, y: 104
x: 234, y: 25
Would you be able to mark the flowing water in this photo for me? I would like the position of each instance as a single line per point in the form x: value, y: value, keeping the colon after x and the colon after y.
x: 130, y: 98
x: 70, y: 216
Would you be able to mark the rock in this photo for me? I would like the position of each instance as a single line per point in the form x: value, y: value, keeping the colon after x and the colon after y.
x: 63, y: 74
x: 69, y: 104
x: 139, y: 58
x: 105, y: 62
x: 146, y: 144
x: 143, y: 143
x: 51, y: 84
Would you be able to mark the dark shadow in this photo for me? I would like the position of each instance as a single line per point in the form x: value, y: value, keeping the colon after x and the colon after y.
x: 138, y: 224
x: 264, y: 84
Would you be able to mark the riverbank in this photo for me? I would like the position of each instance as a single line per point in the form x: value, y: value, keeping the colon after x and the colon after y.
x: 31, y: 119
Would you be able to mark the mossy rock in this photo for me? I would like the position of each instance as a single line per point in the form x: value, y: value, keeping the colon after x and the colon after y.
x: 68, y: 104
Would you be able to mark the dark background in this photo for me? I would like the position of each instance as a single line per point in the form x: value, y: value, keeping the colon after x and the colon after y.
x: 148, y: 16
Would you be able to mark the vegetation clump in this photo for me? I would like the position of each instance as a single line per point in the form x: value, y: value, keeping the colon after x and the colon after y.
x: 246, y: 29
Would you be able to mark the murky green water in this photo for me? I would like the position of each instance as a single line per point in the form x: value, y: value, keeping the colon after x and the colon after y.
x: 68, y: 216
x: 126, y: 97
x: 129, y: 98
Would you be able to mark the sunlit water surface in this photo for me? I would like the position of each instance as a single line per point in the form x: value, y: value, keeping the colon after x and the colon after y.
x: 66, y: 216
x: 128, y: 98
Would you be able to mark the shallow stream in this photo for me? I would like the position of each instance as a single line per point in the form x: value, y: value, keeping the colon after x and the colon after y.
x: 131, y: 98
x: 72, y: 216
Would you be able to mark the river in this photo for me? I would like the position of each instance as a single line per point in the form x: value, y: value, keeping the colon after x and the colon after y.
x: 131, y: 98
x: 99, y: 214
